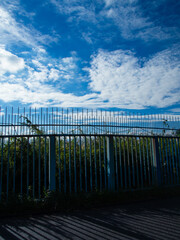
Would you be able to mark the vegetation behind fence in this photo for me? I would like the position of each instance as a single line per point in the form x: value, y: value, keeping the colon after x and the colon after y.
x: 82, y: 164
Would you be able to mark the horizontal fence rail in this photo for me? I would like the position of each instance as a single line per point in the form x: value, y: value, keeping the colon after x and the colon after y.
x: 32, y: 165
x: 42, y: 121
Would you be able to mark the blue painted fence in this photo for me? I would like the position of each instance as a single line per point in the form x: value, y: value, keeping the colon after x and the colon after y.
x: 73, y: 163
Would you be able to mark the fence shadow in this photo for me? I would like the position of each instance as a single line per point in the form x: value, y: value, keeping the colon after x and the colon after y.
x: 157, y: 219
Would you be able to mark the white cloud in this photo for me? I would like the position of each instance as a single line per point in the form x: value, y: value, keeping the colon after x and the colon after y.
x: 54, y: 74
x: 125, y: 82
x: 77, y: 10
x: 175, y: 110
x: 109, y: 2
x: 45, y: 95
x: 14, y: 32
x: 87, y: 37
x: 34, y: 84
x: 9, y: 62
x: 11, y: 31
x: 117, y: 79
x: 134, y: 22
x: 128, y: 16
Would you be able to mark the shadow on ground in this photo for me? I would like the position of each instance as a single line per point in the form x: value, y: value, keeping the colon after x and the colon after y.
x: 156, y: 219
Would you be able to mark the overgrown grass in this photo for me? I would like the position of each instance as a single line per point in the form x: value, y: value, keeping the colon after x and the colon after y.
x: 57, y: 202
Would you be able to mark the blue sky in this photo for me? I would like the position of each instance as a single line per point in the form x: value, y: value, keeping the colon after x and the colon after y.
x: 110, y: 54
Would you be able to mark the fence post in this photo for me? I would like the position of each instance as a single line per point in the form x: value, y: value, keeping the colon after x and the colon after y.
x: 52, y: 164
x: 156, y: 161
x: 110, y: 164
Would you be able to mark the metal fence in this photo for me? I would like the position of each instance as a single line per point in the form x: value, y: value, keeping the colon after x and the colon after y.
x: 23, y: 121
x: 30, y: 165
x: 85, y: 150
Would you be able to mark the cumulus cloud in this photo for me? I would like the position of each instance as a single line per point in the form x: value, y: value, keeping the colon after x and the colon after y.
x: 9, y: 62
x: 126, y: 82
x: 116, y: 79
x: 54, y: 74
x: 40, y: 81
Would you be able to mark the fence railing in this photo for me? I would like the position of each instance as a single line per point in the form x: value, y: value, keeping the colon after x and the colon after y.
x: 80, y: 121
x: 30, y: 165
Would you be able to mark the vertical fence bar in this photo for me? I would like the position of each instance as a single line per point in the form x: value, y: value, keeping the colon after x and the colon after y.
x: 59, y: 162
x: 170, y: 165
x: 129, y: 167
x: 140, y: 158
x: 176, y: 159
x: 85, y: 164
x: 116, y: 161
x: 39, y: 167
x: 69, y: 164
x: 52, y: 164
x: 62, y: 121
x: 163, y: 172
x: 172, y: 157
x: 110, y: 164
x: 167, y: 161
x: 95, y: 163
x: 7, y: 190
x: 80, y: 163
x: 29, y: 132
x: 52, y: 125
x: 24, y: 125
x: 132, y: 158
x: 14, y: 169
x: 82, y: 123
x: 137, y: 165
x: 100, y: 165
x: 160, y: 158
x: 144, y: 162
x: 35, y: 117
x: 125, y: 168
x: 21, y: 166
x: 75, y: 177
x: 45, y: 164
x: 64, y: 164
x: 120, y: 163
x: 2, y: 124
x: 5, y: 119
x: 33, y: 167
x: 164, y: 162
x: 2, y: 148
x: 67, y: 117
x: 47, y: 127
x: 77, y: 122
x: 178, y: 150
x: 105, y: 165
x: 148, y: 167
x: 156, y: 158
x: 28, y: 166
x: 12, y: 121
x: 90, y: 163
